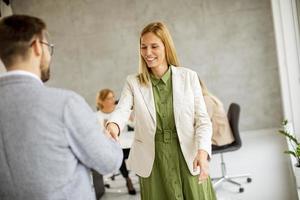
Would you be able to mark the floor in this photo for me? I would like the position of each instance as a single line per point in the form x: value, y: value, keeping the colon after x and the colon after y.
x: 261, y: 156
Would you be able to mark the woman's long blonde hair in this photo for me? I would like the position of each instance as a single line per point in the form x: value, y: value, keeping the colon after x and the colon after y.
x: 162, y: 32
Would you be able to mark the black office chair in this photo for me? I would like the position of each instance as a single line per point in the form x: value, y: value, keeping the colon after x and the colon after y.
x: 233, y: 117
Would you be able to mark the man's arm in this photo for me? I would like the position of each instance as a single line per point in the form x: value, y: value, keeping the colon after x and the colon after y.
x: 87, y: 138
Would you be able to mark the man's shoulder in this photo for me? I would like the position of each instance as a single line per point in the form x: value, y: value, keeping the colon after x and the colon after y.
x: 61, y: 93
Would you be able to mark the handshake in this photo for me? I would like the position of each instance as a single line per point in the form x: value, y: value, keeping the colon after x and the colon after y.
x: 112, y: 130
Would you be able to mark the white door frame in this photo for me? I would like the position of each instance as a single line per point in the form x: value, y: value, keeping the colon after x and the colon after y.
x: 288, y: 53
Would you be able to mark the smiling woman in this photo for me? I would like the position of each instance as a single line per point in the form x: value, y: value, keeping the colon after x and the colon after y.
x: 153, y: 51
x: 175, y: 158
x: 156, y: 48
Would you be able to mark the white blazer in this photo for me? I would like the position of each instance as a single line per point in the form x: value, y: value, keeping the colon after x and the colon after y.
x: 193, y: 124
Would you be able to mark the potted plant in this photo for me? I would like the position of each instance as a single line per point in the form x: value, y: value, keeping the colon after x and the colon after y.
x: 294, y: 147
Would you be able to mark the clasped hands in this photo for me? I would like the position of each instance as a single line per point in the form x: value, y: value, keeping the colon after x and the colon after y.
x: 112, y: 131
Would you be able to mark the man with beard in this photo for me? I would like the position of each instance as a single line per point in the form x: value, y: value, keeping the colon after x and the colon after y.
x: 49, y: 138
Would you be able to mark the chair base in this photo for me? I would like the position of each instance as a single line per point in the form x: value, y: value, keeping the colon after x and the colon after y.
x: 227, y: 178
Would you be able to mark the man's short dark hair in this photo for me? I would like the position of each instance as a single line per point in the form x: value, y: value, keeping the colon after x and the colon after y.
x: 16, y: 33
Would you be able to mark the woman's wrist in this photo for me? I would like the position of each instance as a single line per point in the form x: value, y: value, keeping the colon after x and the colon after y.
x: 202, y: 154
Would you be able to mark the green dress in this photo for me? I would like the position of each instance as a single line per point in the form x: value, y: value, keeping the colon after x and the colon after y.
x: 170, y: 178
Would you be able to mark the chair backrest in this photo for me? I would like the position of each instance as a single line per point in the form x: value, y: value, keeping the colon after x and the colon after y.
x: 233, y: 115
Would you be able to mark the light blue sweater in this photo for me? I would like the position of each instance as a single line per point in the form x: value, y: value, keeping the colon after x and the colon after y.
x: 49, y: 140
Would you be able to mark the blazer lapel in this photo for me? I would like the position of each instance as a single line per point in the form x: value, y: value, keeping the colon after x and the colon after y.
x: 148, y: 97
x: 178, y: 90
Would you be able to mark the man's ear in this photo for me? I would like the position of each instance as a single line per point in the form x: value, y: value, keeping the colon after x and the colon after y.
x: 37, y: 48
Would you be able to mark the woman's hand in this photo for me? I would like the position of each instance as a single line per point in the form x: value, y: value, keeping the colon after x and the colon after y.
x: 112, y: 130
x: 202, y: 162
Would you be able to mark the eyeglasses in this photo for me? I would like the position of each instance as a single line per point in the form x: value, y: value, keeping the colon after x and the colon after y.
x: 50, y: 47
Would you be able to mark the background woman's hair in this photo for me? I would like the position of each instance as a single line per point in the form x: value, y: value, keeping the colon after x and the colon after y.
x: 101, y: 96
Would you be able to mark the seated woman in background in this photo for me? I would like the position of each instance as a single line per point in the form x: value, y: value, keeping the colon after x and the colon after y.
x: 105, y: 103
x: 222, y: 133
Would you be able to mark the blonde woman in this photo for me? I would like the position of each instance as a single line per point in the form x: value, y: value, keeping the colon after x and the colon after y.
x: 105, y: 103
x: 222, y: 133
x: 173, y: 131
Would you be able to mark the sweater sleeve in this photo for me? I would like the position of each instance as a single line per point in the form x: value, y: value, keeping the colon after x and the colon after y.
x: 87, y: 139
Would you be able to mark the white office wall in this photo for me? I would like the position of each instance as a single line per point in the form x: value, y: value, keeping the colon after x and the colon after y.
x: 229, y: 43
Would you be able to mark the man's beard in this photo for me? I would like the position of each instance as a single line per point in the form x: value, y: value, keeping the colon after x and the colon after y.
x: 45, y: 73
x: 45, y: 68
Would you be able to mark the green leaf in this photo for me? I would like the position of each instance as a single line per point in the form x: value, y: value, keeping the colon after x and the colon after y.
x: 292, y: 153
x: 284, y: 122
x: 289, y: 136
x: 298, y: 151
x: 296, y: 146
